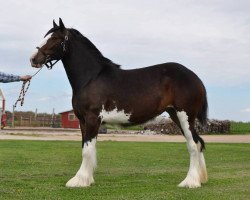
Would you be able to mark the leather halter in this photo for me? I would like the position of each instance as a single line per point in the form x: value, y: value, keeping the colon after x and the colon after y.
x: 48, y: 62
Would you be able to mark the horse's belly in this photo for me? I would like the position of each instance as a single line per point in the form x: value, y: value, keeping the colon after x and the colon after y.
x: 115, y: 116
x: 120, y: 117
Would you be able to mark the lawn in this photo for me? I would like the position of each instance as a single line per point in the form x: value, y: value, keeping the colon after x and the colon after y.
x: 240, y: 128
x: 126, y: 170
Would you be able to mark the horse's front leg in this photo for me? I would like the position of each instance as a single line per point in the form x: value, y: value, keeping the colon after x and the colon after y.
x: 84, y: 176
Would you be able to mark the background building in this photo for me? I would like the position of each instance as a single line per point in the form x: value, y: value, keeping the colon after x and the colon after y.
x: 69, y: 120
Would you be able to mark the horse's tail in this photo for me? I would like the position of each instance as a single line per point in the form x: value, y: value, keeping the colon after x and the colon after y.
x: 202, y: 115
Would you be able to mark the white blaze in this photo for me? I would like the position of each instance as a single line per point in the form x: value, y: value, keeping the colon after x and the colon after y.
x: 42, y: 43
x: 114, y: 116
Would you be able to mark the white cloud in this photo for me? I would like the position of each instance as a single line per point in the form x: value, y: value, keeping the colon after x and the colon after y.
x: 246, y: 110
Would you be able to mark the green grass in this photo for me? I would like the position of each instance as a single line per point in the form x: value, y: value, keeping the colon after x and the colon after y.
x: 126, y: 170
x: 240, y: 127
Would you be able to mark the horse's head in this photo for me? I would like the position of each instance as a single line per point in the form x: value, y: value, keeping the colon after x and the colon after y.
x: 53, y: 47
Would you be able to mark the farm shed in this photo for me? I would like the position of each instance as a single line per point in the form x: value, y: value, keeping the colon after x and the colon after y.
x: 69, y: 120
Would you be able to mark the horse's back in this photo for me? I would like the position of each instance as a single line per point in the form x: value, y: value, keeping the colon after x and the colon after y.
x: 170, y: 70
x: 171, y: 78
x: 167, y: 73
x: 173, y: 84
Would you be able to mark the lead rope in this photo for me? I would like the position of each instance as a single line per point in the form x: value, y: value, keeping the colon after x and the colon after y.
x: 24, y: 90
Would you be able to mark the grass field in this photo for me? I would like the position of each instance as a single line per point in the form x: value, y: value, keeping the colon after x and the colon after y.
x: 240, y: 128
x: 126, y: 170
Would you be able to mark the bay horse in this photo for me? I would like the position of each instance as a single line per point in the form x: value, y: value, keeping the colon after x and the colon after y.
x: 103, y: 92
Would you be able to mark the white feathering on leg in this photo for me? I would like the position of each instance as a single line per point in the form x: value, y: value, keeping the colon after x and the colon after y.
x: 193, y: 177
x: 203, y: 168
x: 84, y: 176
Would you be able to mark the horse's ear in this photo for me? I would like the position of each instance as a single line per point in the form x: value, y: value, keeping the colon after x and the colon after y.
x: 54, y: 24
x: 62, y: 27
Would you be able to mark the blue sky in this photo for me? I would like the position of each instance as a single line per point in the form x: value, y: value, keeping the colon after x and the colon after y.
x: 212, y: 38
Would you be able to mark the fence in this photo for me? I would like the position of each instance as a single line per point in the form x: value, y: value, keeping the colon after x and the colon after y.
x: 37, y: 121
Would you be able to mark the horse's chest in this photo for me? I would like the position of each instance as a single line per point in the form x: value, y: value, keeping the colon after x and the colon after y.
x: 115, y: 116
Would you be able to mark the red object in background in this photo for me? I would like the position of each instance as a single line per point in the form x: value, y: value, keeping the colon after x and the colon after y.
x: 3, y: 121
x: 69, y: 120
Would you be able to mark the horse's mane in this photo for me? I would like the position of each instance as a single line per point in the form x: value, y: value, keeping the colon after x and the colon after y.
x: 92, y: 48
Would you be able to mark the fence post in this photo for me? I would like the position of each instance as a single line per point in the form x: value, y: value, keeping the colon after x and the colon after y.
x: 13, y: 117
x: 43, y: 119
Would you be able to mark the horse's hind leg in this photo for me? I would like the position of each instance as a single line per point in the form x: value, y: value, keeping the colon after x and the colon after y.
x: 173, y: 115
x: 203, y: 168
x: 181, y: 119
x: 200, y: 145
x: 193, y: 179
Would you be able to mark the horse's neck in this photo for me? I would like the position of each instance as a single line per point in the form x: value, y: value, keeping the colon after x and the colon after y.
x: 81, y: 67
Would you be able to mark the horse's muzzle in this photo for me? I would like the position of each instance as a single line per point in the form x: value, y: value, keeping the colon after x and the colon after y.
x: 34, y: 63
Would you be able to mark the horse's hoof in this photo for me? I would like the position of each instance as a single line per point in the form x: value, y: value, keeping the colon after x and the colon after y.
x: 78, y: 181
x: 190, y: 183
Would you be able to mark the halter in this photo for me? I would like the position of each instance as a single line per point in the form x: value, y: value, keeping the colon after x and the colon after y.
x: 48, y: 62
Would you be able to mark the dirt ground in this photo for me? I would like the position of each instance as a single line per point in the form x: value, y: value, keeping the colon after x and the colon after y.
x: 75, y: 135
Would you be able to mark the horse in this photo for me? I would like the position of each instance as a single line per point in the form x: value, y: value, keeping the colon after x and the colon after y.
x: 102, y: 92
